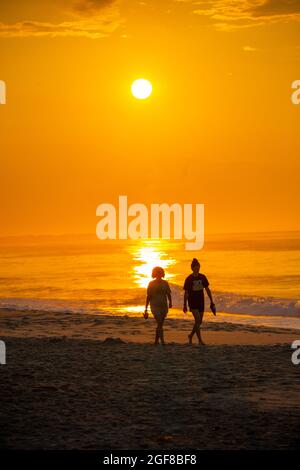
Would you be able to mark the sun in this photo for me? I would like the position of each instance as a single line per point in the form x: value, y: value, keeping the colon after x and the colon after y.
x: 141, y: 89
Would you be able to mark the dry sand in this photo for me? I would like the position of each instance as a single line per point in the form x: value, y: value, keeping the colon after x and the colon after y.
x: 70, y: 384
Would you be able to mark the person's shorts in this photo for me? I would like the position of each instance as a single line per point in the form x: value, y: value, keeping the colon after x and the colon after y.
x: 159, y: 309
x: 159, y: 315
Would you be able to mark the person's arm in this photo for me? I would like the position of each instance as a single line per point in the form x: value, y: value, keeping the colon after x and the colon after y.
x: 147, y: 302
x: 146, y: 306
x: 208, y: 291
x: 148, y: 297
x: 169, y: 299
x: 185, y: 300
x: 169, y: 295
x: 212, y: 305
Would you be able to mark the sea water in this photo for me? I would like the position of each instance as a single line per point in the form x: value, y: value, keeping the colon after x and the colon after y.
x: 254, y: 277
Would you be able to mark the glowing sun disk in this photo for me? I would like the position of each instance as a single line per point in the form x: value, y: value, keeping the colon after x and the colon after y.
x: 141, y: 89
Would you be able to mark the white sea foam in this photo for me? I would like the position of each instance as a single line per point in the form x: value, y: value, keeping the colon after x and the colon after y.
x: 226, y: 302
x: 250, y: 305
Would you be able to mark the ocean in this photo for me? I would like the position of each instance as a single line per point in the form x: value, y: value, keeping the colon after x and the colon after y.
x: 255, y: 278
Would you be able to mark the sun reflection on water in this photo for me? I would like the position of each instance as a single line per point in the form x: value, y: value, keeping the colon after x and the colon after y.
x: 147, y: 255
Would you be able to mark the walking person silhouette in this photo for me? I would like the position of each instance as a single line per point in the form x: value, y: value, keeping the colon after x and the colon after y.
x: 193, y: 287
x: 158, y: 295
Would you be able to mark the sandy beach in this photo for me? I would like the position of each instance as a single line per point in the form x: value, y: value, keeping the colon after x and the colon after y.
x: 97, y: 382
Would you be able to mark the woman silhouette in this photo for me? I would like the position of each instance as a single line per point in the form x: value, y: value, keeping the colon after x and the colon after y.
x: 193, y: 287
x: 158, y: 295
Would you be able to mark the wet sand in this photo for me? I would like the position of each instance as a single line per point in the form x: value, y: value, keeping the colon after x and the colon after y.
x: 95, y: 382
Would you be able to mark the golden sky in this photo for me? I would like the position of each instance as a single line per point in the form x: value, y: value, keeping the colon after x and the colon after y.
x: 219, y: 128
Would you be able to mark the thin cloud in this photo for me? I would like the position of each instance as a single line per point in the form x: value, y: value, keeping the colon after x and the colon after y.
x: 100, y: 18
x: 94, y: 19
x: 238, y: 14
x: 91, y: 6
x: 277, y: 8
x: 249, y: 49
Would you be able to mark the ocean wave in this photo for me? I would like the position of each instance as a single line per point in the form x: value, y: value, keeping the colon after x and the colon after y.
x: 226, y: 302
x: 52, y: 305
x: 229, y: 302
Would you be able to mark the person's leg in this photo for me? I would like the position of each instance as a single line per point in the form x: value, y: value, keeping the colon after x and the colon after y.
x: 198, y: 316
x: 198, y: 323
x: 156, y: 334
x: 190, y: 336
x: 159, y: 329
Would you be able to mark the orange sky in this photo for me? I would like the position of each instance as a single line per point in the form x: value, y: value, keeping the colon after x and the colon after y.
x: 219, y: 129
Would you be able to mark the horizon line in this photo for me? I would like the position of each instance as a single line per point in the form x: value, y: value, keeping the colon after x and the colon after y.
x: 89, y: 234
